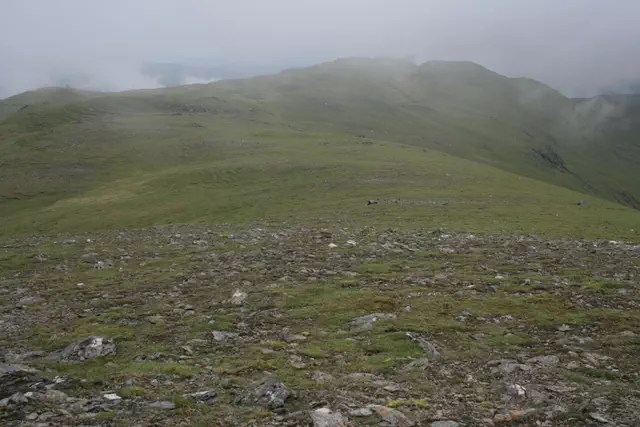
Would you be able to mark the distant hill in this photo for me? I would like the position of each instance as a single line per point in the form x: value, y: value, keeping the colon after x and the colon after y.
x: 41, y: 97
x: 520, y: 125
x: 64, y: 144
x: 172, y: 74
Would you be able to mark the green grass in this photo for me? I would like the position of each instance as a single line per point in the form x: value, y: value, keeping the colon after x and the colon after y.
x: 376, y: 268
x: 312, y: 146
x: 309, y: 182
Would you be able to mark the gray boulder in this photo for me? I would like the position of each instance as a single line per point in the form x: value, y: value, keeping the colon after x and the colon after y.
x: 18, y: 379
x: 366, y: 322
x: 208, y: 397
x: 27, y: 301
x: 324, y: 417
x: 163, y: 404
x: 88, y: 348
x: 238, y: 297
x: 222, y: 336
x: 392, y: 417
x: 429, y: 347
x: 268, y: 393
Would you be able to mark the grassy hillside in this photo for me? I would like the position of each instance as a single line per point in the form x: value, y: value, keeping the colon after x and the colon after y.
x: 438, y: 144
x: 466, y: 110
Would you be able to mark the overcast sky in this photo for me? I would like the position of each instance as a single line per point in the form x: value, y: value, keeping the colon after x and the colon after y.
x: 578, y: 46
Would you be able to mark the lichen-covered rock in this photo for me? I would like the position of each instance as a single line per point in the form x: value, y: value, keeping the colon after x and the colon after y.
x: 208, y: 397
x: 447, y: 423
x: 429, y: 347
x: 89, y: 348
x: 325, y: 417
x: 366, y: 322
x: 268, y: 393
x: 238, y: 297
x: 18, y: 379
x: 392, y: 417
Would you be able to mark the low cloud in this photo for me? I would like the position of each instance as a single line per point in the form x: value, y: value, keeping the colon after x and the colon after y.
x: 581, y: 47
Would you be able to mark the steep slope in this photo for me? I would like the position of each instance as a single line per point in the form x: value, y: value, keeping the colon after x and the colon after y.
x: 613, y: 151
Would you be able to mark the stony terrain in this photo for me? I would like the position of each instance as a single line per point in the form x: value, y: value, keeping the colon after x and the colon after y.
x: 270, y: 326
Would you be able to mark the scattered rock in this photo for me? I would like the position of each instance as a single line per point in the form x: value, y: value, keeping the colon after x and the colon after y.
x: 361, y: 412
x: 163, y: 404
x: 27, y: 301
x: 514, y: 392
x: 296, y: 362
x: 238, y: 297
x: 88, y: 348
x: 223, y: 336
x: 391, y: 416
x: 268, y: 393
x: 444, y: 424
x: 507, y: 366
x: 46, y: 416
x: 112, y: 396
x: 324, y: 417
x: 513, y: 415
x: 208, y: 397
x: 24, y: 357
x: 9, y: 368
x: 295, y: 338
x: 544, y: 360
x: 599, y: 417
x: 18, y: 398
x: 429, y: 347
x: 560, y: 388
x: 361, y: 375
x: 41, y: 258
x: 55, y: 396
x: 282, y: 262
x: 156, y: 319
x: 18, y: 379
x: 421, y: 363
x: 366, y: 322
x: 322, y: 377
x: 573, y: 365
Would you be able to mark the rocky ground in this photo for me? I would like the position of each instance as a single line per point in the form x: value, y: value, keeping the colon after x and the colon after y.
x: 267, y: 326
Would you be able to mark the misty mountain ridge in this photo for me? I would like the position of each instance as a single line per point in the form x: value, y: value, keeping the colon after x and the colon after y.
x: 461, y: 108
x: 178, y: 74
